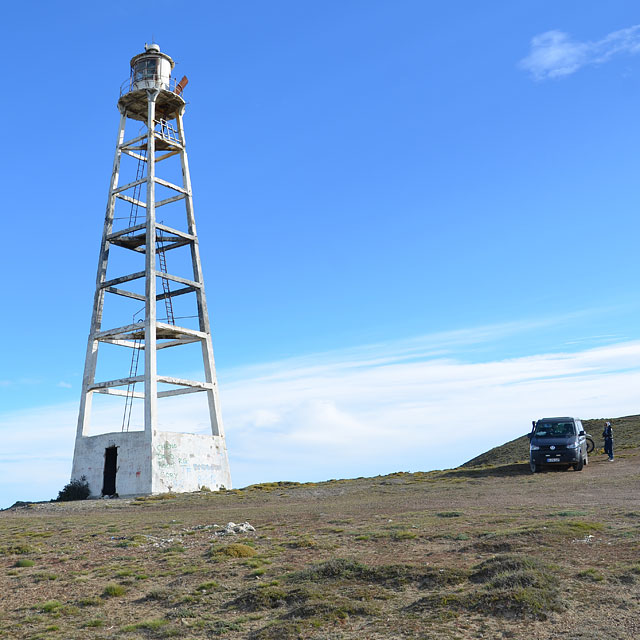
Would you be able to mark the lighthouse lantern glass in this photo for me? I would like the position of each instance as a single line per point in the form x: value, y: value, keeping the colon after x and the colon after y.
x: 151, y: 72
x: 145, y: 69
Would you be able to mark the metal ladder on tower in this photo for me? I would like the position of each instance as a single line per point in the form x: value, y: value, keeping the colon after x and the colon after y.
x: 131, y: 386
x: 166, y: 290
x: 137, y: 190
x: 168, y: 133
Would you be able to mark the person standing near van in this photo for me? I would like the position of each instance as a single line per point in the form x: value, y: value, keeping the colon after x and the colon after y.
x: 607, y: 434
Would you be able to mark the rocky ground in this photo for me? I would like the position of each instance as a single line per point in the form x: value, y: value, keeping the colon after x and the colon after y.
x: 475, y: 552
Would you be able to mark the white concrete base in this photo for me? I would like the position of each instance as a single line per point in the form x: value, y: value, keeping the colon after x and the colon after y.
x: 177, y: 462
x: 187, y: 461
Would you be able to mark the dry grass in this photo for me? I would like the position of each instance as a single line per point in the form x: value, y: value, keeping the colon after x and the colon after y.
x: 489, y: 552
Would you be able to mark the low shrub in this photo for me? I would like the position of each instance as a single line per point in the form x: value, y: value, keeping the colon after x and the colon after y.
x: 516, y: 586
x: 50, y: 606
x: 17, y: 549
x: 590, y: 574
x: 334, y: 569
x: 303, y: 543
x: 43, y: 576
x: 75, y: 490
x: 154, y: 624
x: 92, y: 624
x: 263, y: 597
x: 236, y: 550
x: 341, y: 609
x: 392, y: 575
x: 286, y: 630
x: 160, y: 595
x: 403, y: 535
x: 24, y: 562
x: 113, y: 590
x: 207, y: 587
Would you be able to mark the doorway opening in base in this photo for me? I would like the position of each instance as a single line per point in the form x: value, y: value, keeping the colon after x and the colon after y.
x: 110, y: 468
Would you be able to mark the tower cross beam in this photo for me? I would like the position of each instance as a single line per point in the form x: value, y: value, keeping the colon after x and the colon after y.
x: 124, y: 145
x: 137, y: 156
x: 131, y: 185
x: 124, y: 232
x: 124, y: 196
x: 126, y: 294
x: 111, y: 391
x: 173, y: 294
x: 175, y: 232
x: 175, y: 152
x: 170, y: 200
x: 121, y: 279
x: 174, y: 245
x: 118, y: 331
x: 189, y: 283
x: 116, y: 383
x: 169, y: 185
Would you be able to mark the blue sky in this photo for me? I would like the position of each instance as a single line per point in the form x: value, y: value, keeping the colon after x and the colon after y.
x: 404, y: 208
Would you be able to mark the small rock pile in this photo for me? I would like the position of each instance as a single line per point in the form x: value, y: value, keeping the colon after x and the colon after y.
x: 233, y: 529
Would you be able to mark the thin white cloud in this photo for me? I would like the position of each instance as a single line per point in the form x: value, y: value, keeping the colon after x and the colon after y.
x: 555, y: 54
x: 64, y: 385
x: 355, y: 412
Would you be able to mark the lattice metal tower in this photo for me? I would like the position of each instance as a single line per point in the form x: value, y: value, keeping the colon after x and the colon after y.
x: 126, y: 460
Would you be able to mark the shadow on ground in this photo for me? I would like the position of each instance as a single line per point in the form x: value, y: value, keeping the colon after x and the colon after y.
x: 516, y: 469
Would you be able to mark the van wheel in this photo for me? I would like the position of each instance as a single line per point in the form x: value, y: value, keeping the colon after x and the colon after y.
x: 533, y: 466
x: 578, y: 465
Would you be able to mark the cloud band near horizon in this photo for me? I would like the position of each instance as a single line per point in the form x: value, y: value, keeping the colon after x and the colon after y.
x: 372, y: 410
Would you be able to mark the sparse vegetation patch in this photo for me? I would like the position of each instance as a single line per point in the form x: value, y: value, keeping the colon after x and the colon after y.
x: 114, y: 590
x: 235, y: 550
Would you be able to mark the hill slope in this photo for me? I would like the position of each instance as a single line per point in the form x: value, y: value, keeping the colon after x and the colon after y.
x: 626, y: 431
x: 490, y: 552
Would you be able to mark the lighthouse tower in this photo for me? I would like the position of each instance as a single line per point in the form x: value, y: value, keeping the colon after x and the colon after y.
x: 149, y: 306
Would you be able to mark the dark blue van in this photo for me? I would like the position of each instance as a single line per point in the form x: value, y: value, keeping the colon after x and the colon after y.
x: 558, y: 442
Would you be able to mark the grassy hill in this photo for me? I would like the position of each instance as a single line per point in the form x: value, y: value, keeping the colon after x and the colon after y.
x: 626, y: 432
x: 484, y: 552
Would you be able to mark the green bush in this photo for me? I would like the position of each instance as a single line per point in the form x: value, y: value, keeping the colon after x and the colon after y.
x: 24, y: 562
x: 75, y: 490
x: 114, y: 590
x: 50, y: 606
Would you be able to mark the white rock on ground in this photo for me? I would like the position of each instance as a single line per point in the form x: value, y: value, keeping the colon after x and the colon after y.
x: 233, y: 529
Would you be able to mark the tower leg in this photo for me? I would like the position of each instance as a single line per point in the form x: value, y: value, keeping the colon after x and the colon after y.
x: 98, y: 301
x: 213, y: 399
x: 150, y: 316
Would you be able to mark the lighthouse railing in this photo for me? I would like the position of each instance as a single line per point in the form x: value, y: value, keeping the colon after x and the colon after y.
x: 151, y: 82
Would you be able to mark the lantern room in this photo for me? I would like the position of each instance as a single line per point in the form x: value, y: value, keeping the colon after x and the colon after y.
x: 151, y: 72
x: 151, y: 69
